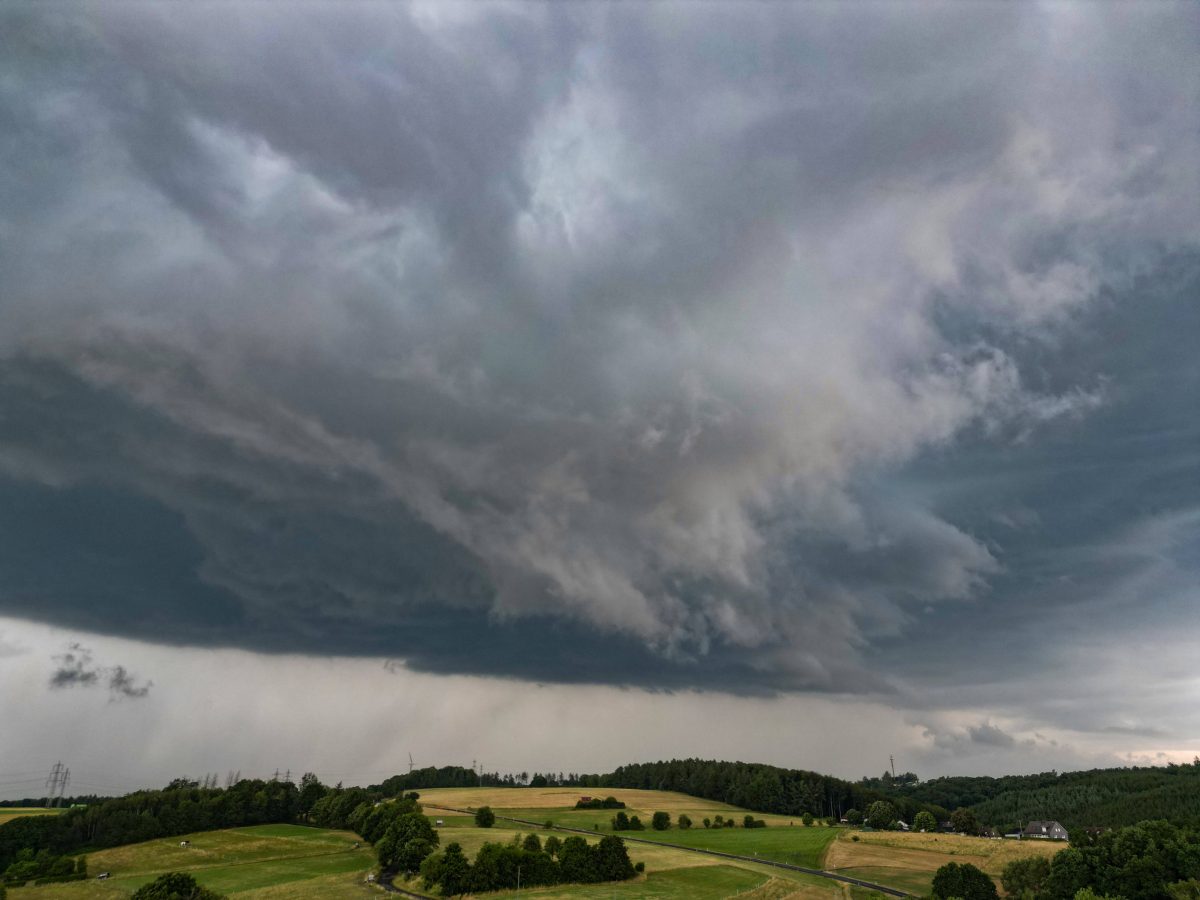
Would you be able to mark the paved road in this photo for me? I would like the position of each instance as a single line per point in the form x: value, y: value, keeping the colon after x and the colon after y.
x: 883, y: 889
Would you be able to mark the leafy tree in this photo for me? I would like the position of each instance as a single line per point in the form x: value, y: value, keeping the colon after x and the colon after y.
x: 538, y: 781
x: 661, y: 821
x: 881, y: 815
x: 612, y: 859
x: 620, y: 822
x: 455, y: 871
x: 532, y: 843
x: 484, y: 818
x: 311, y: 790
x: 854, y: 817
x: 635, y: 824
x: 924, y: 821
x: 807, y: 819
x: 553, y: 845
x: 175, y: 886
x: 707, y: 822
x: 964, y: 882
x: 576, y: 863
x: 685, y: 821
x: 1022, y: 875
x: 964, y: 820
x: 1180, y: 890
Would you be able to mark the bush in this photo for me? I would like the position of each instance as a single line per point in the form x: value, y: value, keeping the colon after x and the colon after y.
x: 484, y: 817
x: 661, y: 821
x: 750, y: 822
x: 807, y: 819
x: 854, y: 817
x: 174, y: 886
x: 707, y: 822
x: 637, y: 867
x: 60, y: 879
x: 685, y: 821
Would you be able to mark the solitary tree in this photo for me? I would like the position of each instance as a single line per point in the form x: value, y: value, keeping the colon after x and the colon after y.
x: 854, y: 817
x: 684, y: 820
x: 707, y: 822
x: 661, y: 821
x: 484, y: 818
x: 881, y: 815
x: 924, y: 821
x: 964, y: 820
x: 807, y: 819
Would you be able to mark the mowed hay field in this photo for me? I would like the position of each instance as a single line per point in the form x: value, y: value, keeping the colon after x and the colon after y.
x: 265, y: 862
x: 908, y: 861
x: 557, y: 805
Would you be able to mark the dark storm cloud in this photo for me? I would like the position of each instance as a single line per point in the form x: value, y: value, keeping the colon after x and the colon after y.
x: 76, y: 667
x: 446, y: 332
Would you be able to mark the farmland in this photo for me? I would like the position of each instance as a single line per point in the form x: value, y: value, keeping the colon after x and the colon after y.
x: 267, y: 862
x: 908, y: 861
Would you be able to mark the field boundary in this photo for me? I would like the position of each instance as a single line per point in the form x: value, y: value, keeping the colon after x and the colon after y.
x: 883, y: 889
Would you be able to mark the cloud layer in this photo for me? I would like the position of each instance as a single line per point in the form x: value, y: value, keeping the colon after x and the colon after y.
x: 631, y: 333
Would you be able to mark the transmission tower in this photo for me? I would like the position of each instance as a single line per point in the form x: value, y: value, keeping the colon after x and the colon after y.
x: 63, y: 781
x: 410, y: 764
x: 52, y: 783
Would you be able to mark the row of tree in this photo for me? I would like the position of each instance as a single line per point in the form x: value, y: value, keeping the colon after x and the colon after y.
x: 145, y: 815
x: 527, y: 863
x: 44, y: 867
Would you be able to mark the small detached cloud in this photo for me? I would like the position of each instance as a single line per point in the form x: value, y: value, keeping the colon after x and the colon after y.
x: 76, y: 667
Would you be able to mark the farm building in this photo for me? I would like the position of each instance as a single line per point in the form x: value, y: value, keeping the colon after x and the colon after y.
x: 1045, y: 830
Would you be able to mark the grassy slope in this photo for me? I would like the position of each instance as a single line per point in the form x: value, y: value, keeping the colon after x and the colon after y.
x: 268, y: 861
x: 908, y: 861
x: 799, y: 846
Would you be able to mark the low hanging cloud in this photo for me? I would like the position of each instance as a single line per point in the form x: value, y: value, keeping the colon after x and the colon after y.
x: 554, y: 326
x: 76, y: 667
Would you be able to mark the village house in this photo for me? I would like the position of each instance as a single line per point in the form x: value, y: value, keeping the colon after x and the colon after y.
x: 1045, y: 830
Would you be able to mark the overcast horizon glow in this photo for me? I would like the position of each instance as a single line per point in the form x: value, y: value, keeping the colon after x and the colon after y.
x: 828, y: 370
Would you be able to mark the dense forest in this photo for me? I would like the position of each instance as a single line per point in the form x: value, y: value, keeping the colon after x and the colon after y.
x: 1107, y: 798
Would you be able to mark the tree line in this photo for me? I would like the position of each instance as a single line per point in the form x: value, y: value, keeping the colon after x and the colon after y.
x: 527, y: 862
x: 1097, y: 797
x: 145, y: 815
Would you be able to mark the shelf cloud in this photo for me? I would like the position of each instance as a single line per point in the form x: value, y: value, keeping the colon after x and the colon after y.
x: 740, y: 347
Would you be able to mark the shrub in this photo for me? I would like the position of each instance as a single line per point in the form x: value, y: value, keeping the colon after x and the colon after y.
x: 807, y: 819
x: 661, y: 821
x: 637, y: 867
x: 484, y: 817
x: 685, y: 821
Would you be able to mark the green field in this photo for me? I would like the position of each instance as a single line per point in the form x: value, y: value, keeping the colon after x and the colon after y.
x: 796, y: 845
x: 266, y: 861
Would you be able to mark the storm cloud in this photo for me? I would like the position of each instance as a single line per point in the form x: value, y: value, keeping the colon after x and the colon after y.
x: 76, y: 667
x: 746, y: 346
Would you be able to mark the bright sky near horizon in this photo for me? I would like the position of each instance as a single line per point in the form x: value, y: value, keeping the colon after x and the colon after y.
x: 564, y: 385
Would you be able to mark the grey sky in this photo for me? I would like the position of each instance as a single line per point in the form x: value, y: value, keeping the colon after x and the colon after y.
x: 797, y: 353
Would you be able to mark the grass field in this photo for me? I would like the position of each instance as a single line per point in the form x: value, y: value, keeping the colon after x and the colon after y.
x: 8, y: 813
x: 908, y: 861
x: 798, y: 845
x: 266, y: 862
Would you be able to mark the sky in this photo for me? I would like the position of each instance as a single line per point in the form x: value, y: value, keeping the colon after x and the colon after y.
x: 555, y: 386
